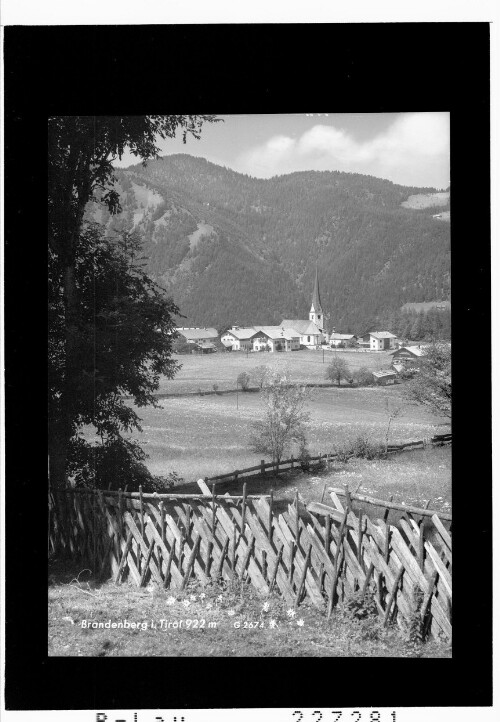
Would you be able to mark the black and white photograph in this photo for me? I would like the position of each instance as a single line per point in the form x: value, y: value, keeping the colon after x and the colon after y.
x: 250, y: 385
x: 231, y: 337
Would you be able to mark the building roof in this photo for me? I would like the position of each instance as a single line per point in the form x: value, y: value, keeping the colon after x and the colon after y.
x: 316, y: 300
x: 194, y: 334
x: 275, y: 332
x: 302, y: 328
x: 398, y: 367
x: 242, y: 333
x: 414, y: 350
x: 205, y: 344
x: 382, y: 334
x: 383, y: 374
x: 341, y: 336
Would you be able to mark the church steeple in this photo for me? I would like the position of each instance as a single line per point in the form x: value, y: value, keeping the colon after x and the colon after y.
x: 316, y: 313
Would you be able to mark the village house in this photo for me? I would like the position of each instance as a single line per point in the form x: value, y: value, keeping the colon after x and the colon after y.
x: 408, y: 355
x: 260, y: 338
x: 342, y: 339
x: 199, y: 335
x: 275, y: 338
x: 381, y: 340
x: 239, y: 339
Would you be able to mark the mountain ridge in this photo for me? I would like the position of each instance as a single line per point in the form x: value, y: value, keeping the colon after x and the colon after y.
x: 258, y: 242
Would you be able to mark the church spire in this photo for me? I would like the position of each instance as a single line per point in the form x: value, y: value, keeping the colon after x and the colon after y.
x: 316, y: 300
x: 316, y: 313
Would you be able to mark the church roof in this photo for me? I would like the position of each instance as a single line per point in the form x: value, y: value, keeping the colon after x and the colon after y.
x: 316, y: 300
x: 304, y: 328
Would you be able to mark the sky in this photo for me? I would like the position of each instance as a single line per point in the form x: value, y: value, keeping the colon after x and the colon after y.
x: 411, y: 149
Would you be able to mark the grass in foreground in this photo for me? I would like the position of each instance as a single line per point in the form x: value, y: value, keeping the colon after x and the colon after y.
x: 221, y: 620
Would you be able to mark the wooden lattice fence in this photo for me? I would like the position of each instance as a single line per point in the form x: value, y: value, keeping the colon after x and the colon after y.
x: 323, y: 553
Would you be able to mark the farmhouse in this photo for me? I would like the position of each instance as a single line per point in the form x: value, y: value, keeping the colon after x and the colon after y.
x: 407, y: 354
x: 239, y: 339
x: 199, y: 335
x: 275, y: 338
x: 261, y: 338
x: 381, y: 340
x: 384, y: 378
x: 342, y: 339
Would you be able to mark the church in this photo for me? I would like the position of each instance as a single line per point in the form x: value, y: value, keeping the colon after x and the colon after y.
x: 290, y: 335
x: 312, y: 332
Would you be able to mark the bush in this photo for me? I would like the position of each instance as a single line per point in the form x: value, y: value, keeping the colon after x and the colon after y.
x: 361, y: 606
x: 304, y: 455
x: 363, y: 376
x: 162, y: 484
x: 116, y: 464
x: 362, y: 448
x: 361, y: 610
x: 243, y: 380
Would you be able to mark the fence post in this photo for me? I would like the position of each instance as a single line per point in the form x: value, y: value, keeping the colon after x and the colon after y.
x: 297, y: 528
x: 348, y: 497
x: 213, y: 510
x: 421, y: 547
x: 162, y: 515
x: 270, y: 533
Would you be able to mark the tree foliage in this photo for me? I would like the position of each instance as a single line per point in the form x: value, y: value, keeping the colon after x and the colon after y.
x: 81, y: 151
x: 284, y: 419
x: 243, y: 380
x: 363, y: 376
x: 123, y: 345
x: 431, y: 385
x: 338, y: 370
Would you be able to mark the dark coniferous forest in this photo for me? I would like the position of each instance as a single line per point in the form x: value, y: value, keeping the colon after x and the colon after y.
x: 232, y: 249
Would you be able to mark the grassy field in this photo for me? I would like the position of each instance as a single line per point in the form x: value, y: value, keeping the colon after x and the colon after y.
x: 227, y: 620
x: 202, y: 372
x: 200, y: 436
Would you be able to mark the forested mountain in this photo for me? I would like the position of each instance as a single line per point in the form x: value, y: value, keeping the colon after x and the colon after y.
x: 232, y: 249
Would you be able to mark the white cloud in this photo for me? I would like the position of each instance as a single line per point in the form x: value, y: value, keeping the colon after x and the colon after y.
x: 414, y: 150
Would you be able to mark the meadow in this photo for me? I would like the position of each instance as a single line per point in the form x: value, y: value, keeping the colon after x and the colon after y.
x: 202, y: 372
x: 200, y: 436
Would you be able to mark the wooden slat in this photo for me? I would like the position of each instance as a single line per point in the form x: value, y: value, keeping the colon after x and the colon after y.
x: 392, y: 505
x: 177, y: 541
x: 445, y: 536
